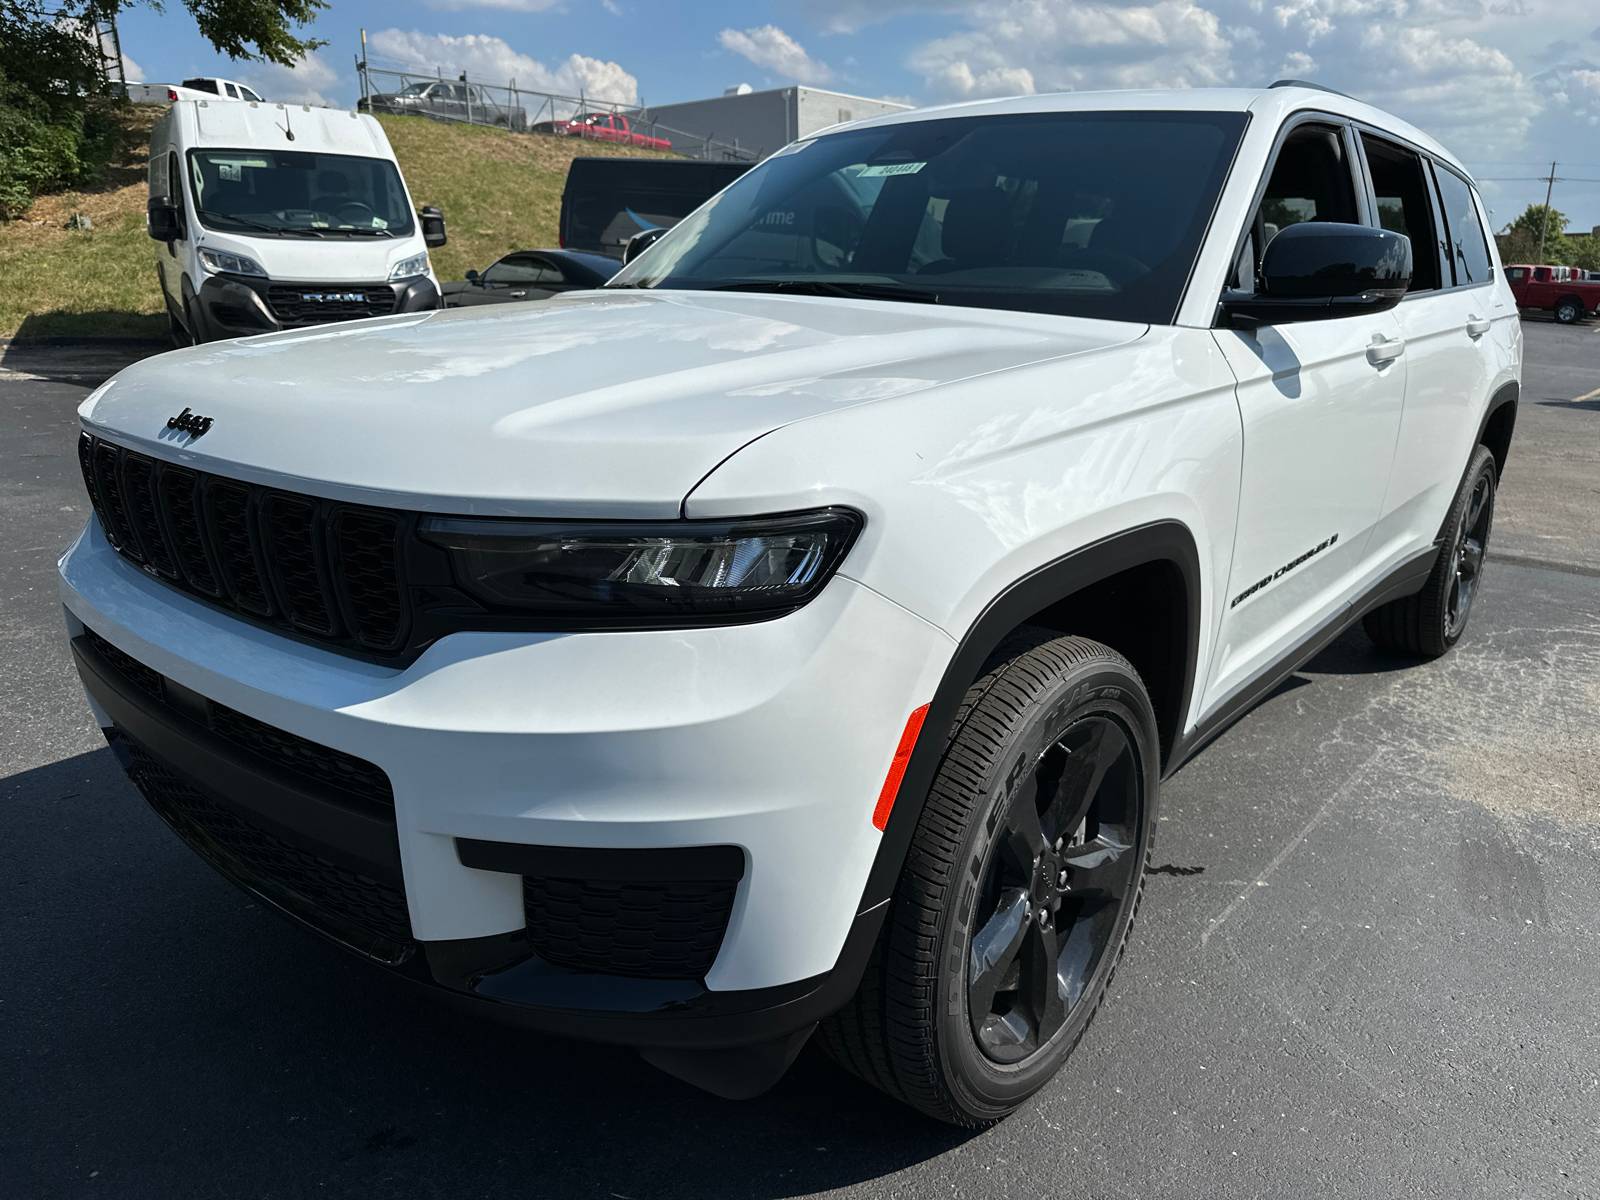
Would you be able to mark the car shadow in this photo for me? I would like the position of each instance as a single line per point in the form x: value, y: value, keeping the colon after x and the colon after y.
x: 81, y: 347
x: 1354, y: 653
x: 183, y: 1041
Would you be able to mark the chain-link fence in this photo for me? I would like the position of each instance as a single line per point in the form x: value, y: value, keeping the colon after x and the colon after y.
x: 421, y: 92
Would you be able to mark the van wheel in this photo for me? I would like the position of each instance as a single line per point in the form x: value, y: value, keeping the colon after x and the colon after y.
x: 1434, y: 619
x: 1569, y: 311
x: 1020, y: 889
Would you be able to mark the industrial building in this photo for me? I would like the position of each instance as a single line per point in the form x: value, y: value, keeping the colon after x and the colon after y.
x: 748, y: 125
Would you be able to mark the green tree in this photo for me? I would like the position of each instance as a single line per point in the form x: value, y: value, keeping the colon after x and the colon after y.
x: 1587, y: 254
x: 58, y: 124
x: 1558, y: 247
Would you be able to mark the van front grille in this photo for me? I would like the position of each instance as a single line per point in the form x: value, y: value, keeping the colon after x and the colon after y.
x: 311, y: 304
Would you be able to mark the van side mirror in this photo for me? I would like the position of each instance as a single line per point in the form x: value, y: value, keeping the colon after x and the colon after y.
x: 433, y: 235
x: 639, y: 243
x: 163, y: 222
x: 1321, y: 270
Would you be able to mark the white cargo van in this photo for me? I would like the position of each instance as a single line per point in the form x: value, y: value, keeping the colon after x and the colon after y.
x: 278, y: 217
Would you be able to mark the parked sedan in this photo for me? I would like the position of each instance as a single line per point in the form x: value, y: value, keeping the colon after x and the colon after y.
x: 530, y: 275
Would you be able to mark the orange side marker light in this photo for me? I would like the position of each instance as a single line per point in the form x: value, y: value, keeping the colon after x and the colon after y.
x: 897, y: 769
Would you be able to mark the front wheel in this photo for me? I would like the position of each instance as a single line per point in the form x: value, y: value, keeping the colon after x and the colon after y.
x: 1020, y: 888
x: 1569, y: 311
x: 1434, y: 619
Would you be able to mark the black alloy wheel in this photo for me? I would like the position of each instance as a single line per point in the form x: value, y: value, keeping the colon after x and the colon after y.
x: 1434, y: 619
x: 1471, y: 543
x: 1060, y: 873
x: 1020, y: 888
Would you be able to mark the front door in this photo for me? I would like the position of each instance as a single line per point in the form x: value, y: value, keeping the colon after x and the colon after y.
x: 1319, y: 403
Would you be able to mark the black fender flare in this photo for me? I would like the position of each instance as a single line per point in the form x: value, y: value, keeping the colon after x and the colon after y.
x: 1159, y: 541
x: 1508, y: 393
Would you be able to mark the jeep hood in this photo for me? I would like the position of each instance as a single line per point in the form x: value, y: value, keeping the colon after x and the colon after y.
x: 597, y: 404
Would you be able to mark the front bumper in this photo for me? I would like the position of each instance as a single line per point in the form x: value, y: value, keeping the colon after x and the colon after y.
x: 241, y: 305
x: 772, y: 738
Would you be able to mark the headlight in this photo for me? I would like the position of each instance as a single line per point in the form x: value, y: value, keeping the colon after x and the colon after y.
x: 417, y: 264
x: 630, y: 574
x: 233, y: 264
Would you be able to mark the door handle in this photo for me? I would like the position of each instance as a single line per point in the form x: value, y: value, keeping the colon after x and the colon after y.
x: 1381, y: 351
x: 1477, y: 327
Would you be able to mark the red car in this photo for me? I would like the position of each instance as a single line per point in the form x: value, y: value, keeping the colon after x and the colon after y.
x: 609, y: 127
x: 1556, y: 290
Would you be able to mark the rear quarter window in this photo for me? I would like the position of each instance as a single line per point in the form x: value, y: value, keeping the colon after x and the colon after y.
x: 1468, y: 248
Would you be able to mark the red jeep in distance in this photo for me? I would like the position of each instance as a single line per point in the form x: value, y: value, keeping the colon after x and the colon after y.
x: 1555, y: 290
x: 609, y: 127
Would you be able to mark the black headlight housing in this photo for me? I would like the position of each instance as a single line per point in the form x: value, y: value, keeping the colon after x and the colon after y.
x: 641, y: 575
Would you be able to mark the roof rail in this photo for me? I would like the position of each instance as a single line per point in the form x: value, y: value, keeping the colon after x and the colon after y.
x: 1315, y: 87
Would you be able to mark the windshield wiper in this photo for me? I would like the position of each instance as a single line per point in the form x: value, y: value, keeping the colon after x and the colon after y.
x: 825, y: 287
x: 364, y: 232
x: 211, y: 212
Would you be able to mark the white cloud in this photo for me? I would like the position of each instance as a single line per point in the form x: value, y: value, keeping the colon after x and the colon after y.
x: 1021, y: 46
x: 310, y: 81
x: 772, y: 48
x: 490, y: 60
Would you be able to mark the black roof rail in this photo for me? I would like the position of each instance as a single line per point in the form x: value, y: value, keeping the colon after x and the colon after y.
x: 1315, y: 87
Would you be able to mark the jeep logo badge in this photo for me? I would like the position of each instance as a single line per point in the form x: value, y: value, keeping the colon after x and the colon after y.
x: 190, y: 423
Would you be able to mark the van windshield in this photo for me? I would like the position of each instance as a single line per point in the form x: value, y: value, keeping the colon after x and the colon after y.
x: 1096, y: 214
x: 295, y: 193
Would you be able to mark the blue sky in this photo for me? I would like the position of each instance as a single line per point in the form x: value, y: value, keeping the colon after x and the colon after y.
x: 1509, y: 85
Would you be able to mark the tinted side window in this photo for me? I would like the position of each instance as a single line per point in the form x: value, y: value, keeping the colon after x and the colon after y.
x: 174, y: 182
x: 1469, y: 251
x: 1310, y: 181
x: 518, y: 268
x: 158, y: 176
x: 1401, y: 189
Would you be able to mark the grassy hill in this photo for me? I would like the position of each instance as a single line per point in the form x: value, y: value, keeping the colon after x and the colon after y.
x: 499, y: 191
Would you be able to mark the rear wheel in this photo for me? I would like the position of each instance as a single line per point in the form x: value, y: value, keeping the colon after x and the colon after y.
x: 1569, y: 311
x: 1020, y: 888
x: 1434, y: 619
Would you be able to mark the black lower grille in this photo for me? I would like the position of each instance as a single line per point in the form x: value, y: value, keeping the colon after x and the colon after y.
x: 323, y: 766
x: 311, y: 305
x: 327, y: 571
x: 650, y: 930
x: 368, y: 915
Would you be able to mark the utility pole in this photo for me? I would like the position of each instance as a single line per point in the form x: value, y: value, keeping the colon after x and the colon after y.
x: 1544, y: 226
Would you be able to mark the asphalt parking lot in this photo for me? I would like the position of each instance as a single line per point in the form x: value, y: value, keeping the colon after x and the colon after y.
x: 1369, y: 966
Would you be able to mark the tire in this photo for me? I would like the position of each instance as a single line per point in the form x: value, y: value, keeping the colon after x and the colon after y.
x: 1050, y: 773
x: 1569, y: 310
x: 1434, y: 619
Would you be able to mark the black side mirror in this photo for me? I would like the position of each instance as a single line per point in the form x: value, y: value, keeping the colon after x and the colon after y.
x: 639, y: 243
x: 163, y: 222
x: 1319, y: 270
x: 472, y: 276
x: 433, y: 235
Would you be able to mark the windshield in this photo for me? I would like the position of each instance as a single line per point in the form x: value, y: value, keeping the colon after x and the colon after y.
x: 298, y: 193
x: 414, y: 89
x: 1096, y: 214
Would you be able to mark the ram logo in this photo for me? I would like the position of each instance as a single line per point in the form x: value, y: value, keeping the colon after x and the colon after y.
x: 332, y: 297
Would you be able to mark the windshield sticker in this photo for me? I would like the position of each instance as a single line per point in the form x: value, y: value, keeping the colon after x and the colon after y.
x: 883, y: 169
x: 233, y: 164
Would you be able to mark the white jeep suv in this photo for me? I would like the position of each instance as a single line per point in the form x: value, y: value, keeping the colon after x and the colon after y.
x: 791, y: 636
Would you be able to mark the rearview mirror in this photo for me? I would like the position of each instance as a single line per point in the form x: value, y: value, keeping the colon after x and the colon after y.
x: 1319, y: 270
x: 163, y: 222
x: 433, y: 235
x: 639, y: 243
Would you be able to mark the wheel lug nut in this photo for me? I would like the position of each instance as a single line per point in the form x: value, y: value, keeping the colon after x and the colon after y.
x: 1062, y: 881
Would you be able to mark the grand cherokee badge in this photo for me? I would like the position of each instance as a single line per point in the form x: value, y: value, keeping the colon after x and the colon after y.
x: 190, y: 423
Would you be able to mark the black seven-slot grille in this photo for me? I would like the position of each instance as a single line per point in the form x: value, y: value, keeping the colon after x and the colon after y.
x: 313, y: 304
x: 326, y: 570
